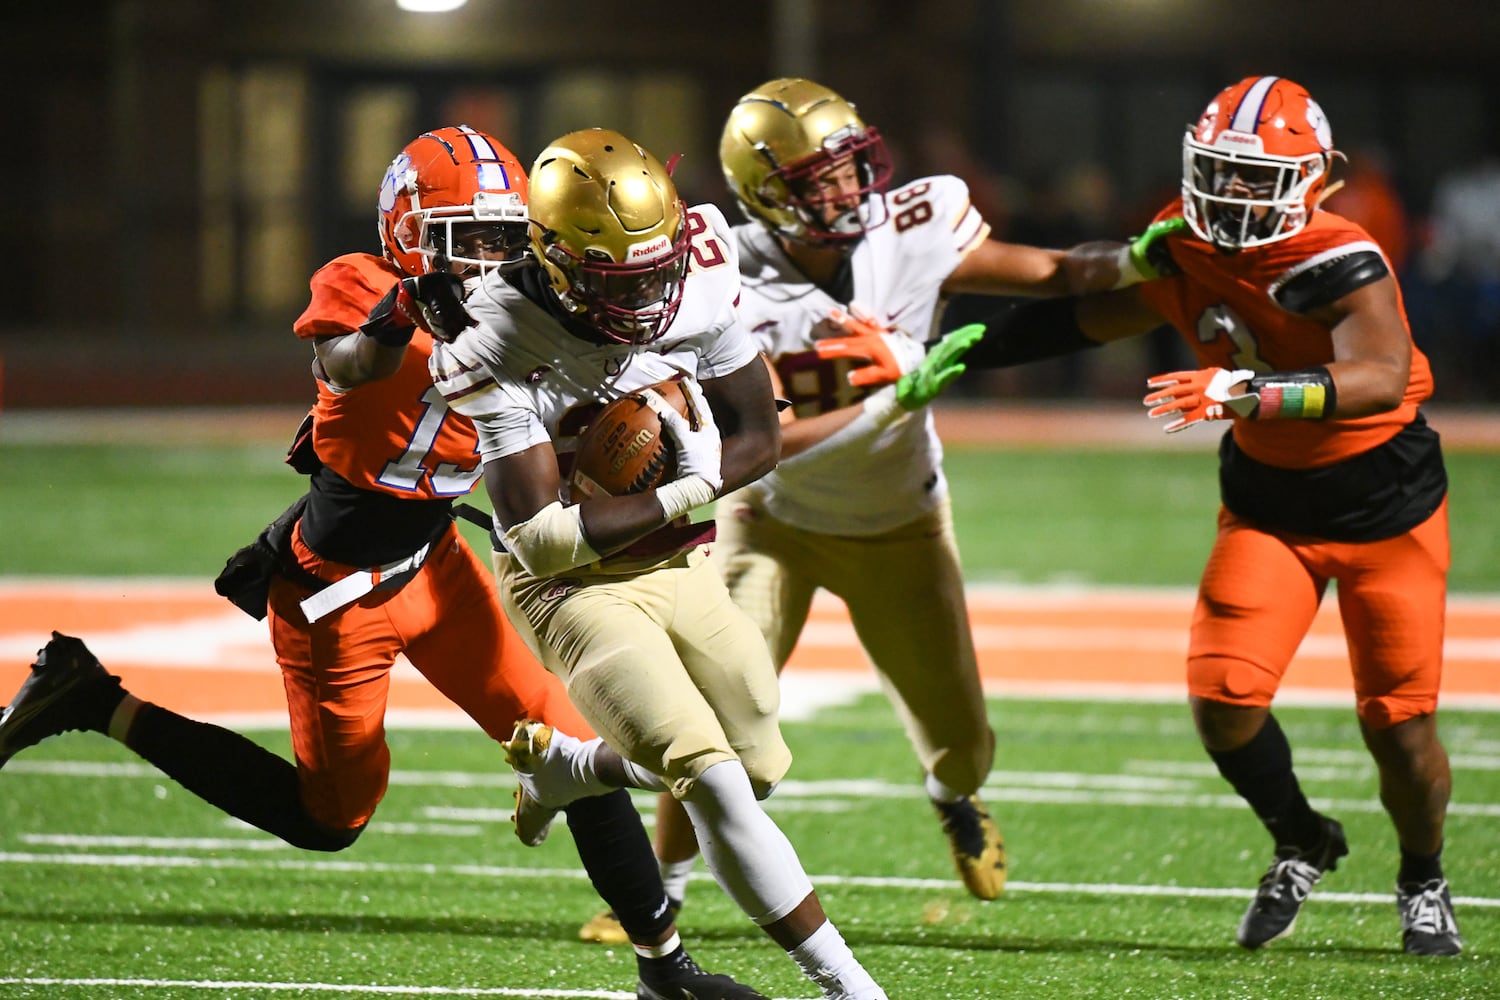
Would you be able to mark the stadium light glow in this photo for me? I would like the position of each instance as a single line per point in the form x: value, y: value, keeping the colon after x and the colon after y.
x: 430, y: 6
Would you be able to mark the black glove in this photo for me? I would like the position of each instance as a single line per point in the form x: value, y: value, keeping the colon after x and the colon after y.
x: 435, y: 302
x: 246, y: 578
x: 432, y: 301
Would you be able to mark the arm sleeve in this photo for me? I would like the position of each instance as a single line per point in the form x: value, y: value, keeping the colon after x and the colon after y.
x: 1031, y: 331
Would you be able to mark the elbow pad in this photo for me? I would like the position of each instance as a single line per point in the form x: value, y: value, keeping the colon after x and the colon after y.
x: 551, y: 541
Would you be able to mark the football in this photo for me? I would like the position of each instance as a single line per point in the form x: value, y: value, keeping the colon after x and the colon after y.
x: 623, y: 449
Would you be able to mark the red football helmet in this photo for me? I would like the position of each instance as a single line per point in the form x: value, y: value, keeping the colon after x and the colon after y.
x: 1255, y: 166
x: 455, y: 192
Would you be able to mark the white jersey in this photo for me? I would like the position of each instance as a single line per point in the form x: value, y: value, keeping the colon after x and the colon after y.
x: 898, y: 271
x: 524, y: 380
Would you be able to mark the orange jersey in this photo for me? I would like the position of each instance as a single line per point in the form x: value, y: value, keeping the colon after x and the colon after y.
x: 394, y: 435
x: 1224, y: 306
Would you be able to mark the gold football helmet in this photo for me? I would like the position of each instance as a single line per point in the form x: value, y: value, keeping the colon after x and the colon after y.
x: 778, y: 138
x: 608, y: 228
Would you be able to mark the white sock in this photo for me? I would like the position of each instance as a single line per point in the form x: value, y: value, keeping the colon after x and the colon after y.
x: 674, y: 875
x: 939, y: 792
x: 577, y: 756
x: 662, y: 950
x: 825, y: 958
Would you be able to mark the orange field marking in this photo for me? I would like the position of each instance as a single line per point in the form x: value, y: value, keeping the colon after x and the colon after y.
x: 180, y: 644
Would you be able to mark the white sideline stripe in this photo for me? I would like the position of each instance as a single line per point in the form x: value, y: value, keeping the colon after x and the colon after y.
x: 1053, y: 788
x: 491, y: 871
x: 345, y: 989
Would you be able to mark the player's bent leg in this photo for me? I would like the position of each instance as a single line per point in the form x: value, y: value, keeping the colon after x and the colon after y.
x: 616, y: 854
x: 1257, y: 762
x: 466, y: 646
x: 904, y: 590
x: 336, y: 673
x: 69, y: 689
x: 1415, y: 783
x: 725, y: 659
x: 235, y: 774
x: 1415, y: 780
x: 675, y: 864
x: 758, y: 868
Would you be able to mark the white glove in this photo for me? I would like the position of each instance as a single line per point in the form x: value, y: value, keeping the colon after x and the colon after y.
x: 699, y: 448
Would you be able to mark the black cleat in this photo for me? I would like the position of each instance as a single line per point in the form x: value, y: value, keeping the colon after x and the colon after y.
x: 1286, y: 884
x: 66, y: 690
x: 1428, y: 926
x: 686, y: 981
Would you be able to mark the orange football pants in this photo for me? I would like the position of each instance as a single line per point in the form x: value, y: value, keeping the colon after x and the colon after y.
x: 448, y: 622
x: 1261, y: 589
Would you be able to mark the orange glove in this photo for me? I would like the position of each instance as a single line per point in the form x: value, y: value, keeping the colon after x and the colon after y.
x: 885, y: 355
x: 1199, y: 395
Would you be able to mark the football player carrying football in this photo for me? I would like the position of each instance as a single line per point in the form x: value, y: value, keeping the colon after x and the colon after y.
x: 370, y: 565
x: 843, y: 281
x: 629, y: 288
x: 1329, y: 472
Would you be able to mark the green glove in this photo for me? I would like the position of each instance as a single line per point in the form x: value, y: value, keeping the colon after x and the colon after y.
x: 1149, y: 253
x: 940, y: 367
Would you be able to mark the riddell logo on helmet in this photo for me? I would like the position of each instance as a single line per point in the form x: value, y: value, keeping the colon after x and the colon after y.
x: 1239, y: 137
x: 648, y: 251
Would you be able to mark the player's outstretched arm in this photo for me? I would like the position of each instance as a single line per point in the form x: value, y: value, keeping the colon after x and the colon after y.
x: 1035, y: 331
x: 998, y: 268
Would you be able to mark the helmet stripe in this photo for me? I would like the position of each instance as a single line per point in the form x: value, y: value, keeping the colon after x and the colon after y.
x: 1247, y: 115
x: 492, y: 177
x: 479, y: 144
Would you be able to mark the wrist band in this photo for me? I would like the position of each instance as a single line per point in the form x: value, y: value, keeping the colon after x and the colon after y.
x: 388, y: 324
x: 1129, y: 273
x: 883, y: 406
x: 1300, y: 395
x: 683, y: 495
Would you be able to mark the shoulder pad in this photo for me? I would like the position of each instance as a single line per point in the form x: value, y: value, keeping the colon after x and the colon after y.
x: 1325, y: 281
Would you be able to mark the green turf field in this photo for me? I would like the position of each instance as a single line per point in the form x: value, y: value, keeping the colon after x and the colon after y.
x: 1131, y: 865
x: 1131, y: 860
x: 1123, y: 517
